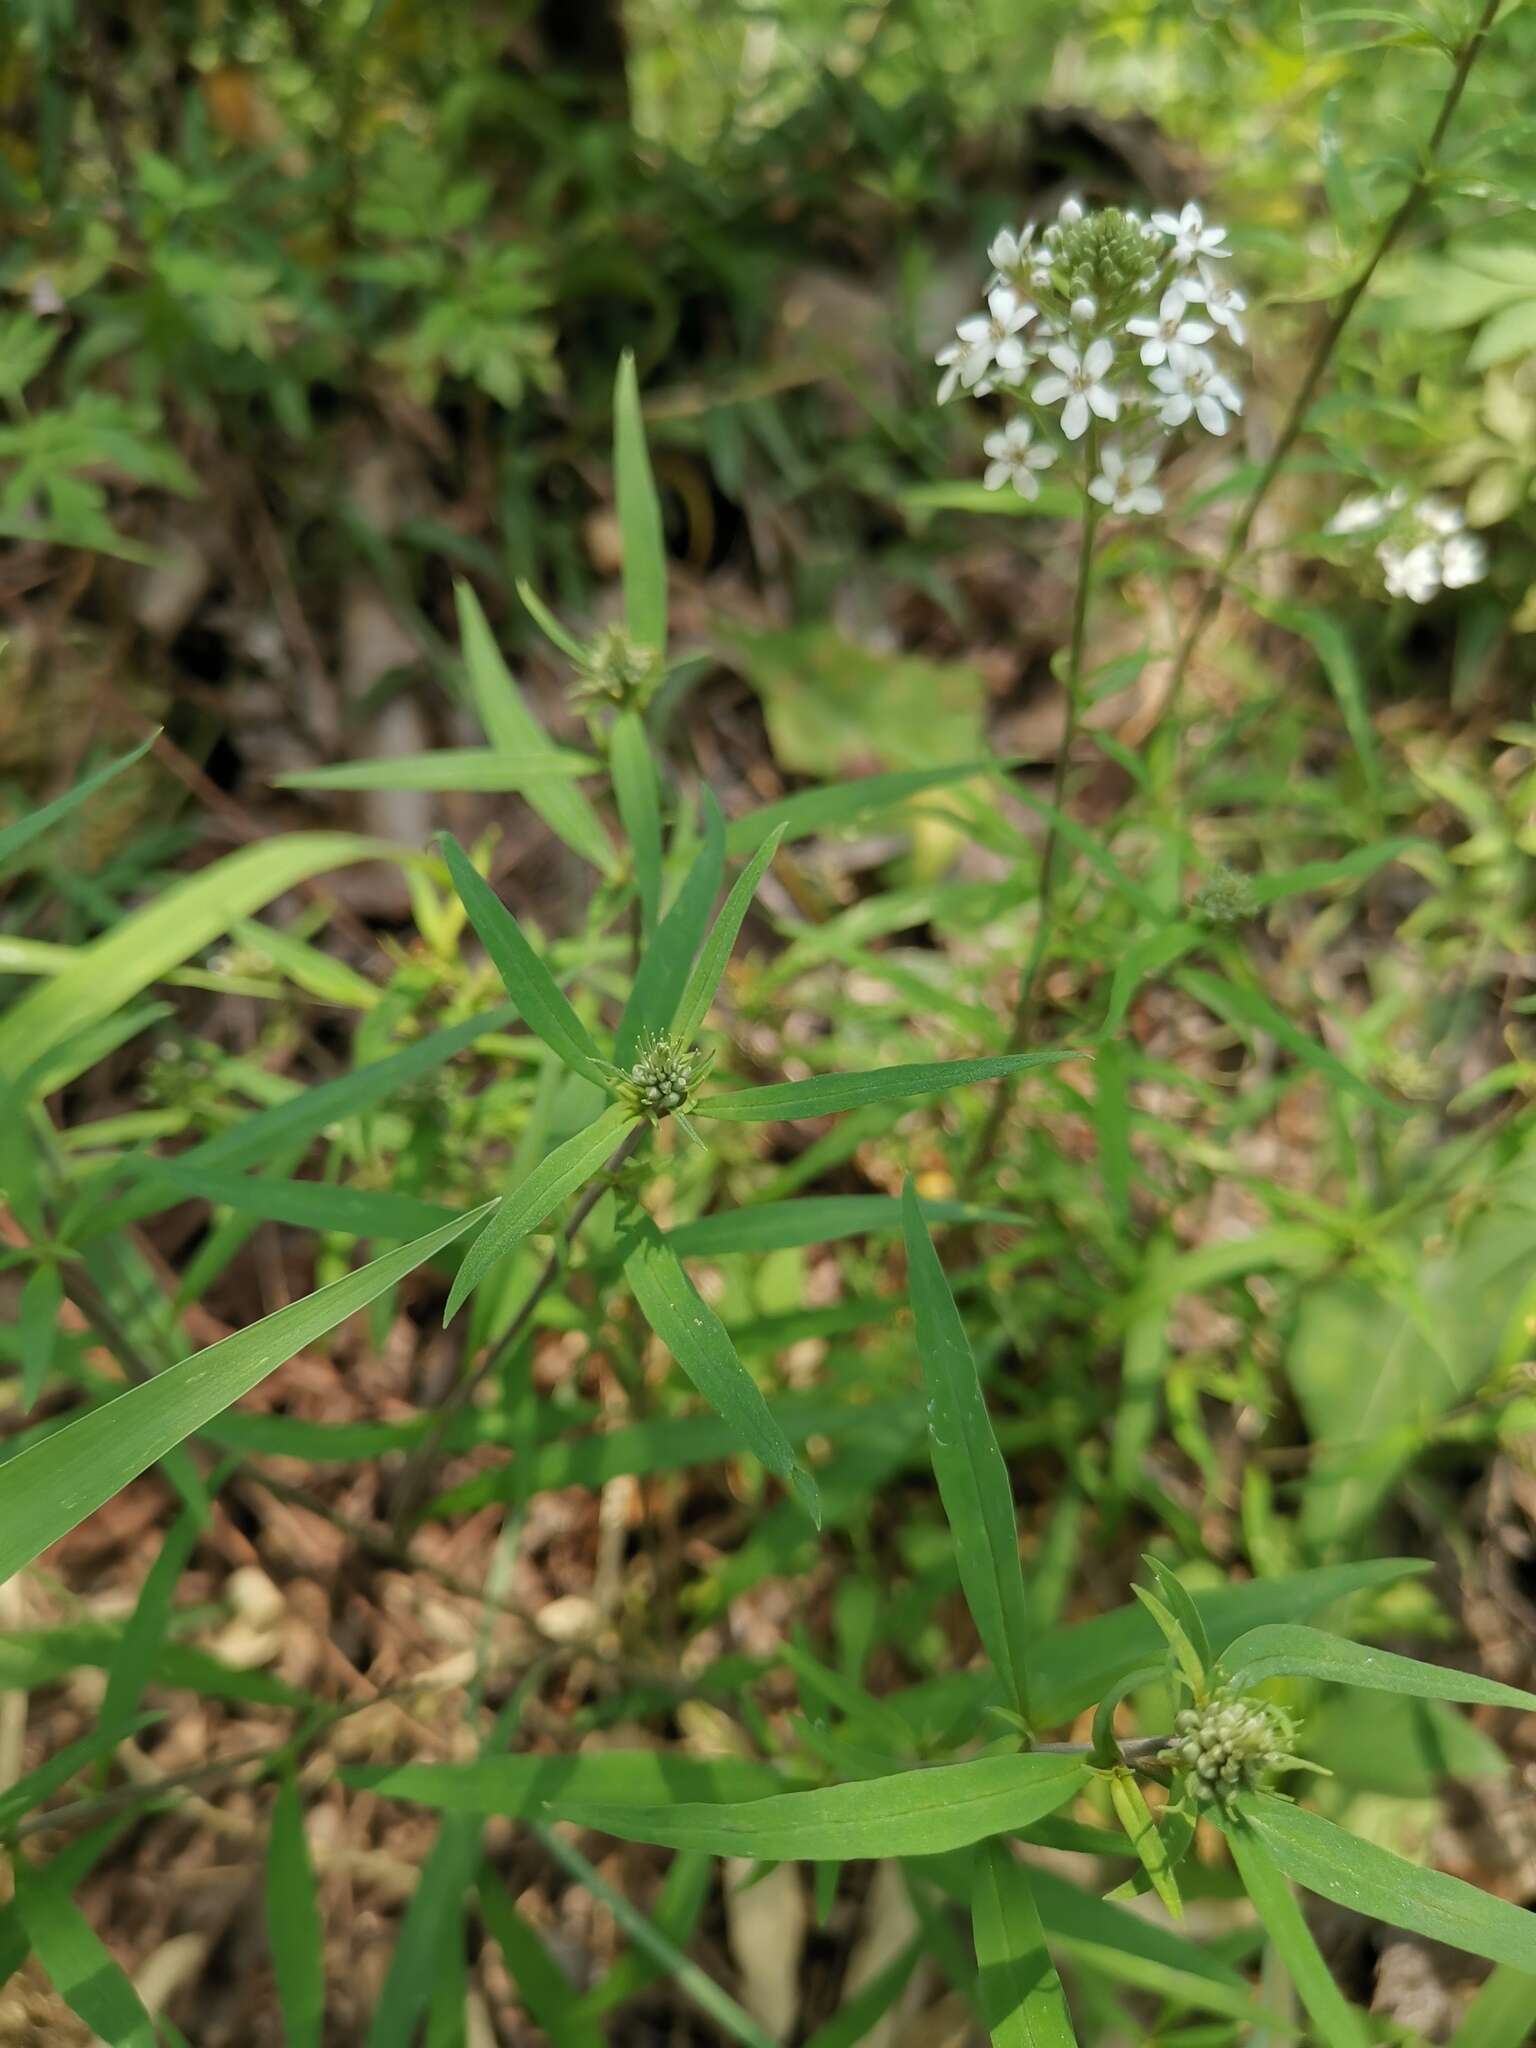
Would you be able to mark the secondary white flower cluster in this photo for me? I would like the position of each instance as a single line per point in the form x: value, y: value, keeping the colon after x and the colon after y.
x: 1422, y: 548
x: 1100, y: 320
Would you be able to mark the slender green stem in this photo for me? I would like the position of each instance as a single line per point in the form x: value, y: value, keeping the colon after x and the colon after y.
x: 1322, y: 355
x: 1050, y: 857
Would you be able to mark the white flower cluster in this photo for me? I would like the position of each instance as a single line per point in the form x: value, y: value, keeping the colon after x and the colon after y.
x: 1422, y: 548
x: 1100, y: 317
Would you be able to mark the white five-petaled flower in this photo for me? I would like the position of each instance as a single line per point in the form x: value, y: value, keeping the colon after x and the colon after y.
x: 1223, y: 301
x: 1411, y: 572
x: 1170, y: 326
x: 1008, y: 251
x: 1015, y: 456
x: 1191, y: 383
x: 1192, y: 239
x: 1463, y: 560
x: 1126, y: 486
x: 991, y: 339
x: 1080, y: 381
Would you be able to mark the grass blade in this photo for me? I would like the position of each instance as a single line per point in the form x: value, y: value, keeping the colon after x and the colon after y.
x: 181, y: 920
x: 448, y: 769
x: 432, y: 1923
x: 294, y: 1929
x: 843, y: 803
x: 645, y: 555
x: 700, y: 1343
x: 1023, y: 2004
x: 828, y: 1094
x: 1245, y: 1009
x: 565, y: 1169
x: 1503, y: 2014
x: 513, y: 731
x: 973, y: 1480
x: 88, y: 1979
x: 21, y: 832
x: 53, y: 1485
x: 528, y: 981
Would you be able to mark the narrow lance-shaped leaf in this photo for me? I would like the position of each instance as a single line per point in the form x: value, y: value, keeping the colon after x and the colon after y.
x: 827, y: 1094
x: 639, y: 799
x: 845, y: 803
x: 513, y: 730
x: 910, y: 1813
x: 528, y: 981
x: 446, y: 768
x: 664, y: 965
x: 294, y: 1931
x: 701, y: 1344
x: 567, y: 1168
x: 550, y: 626
x: 20, y: 833
x: 973, y: 1480
x: 1023, y: 2004
x: 1338, y: 2024
x: 1355, y: 1873
x: 53, y: 1485
x: 88, y: 1979
x: 1297, y: 1652
x: 709, y: 968
x: 645, y: 558
x: 108, y: 973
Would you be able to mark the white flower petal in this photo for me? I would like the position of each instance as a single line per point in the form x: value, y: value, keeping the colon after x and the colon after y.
x: 1098, y: 356
x: 1074, y: 417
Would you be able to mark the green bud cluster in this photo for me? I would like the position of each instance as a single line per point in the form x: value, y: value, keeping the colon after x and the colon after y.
x: 662, y: 1080
x: 1229, y: 1743
x: 618, y: 670
x: 1225, y: 897
x: 1109, y: 257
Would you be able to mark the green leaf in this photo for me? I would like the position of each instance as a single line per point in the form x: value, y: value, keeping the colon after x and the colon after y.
x: 523, y: 1787
x: 1135, y: 1816
x: 815, y: 1219
x: 294, y: 1930
x: 972, y: 1478
x: 22, y: 831
x: 306, y: 1204
x: 856, y: 2020
x: 37, y: 1327
x: 557, y: 1175
x: 1503, y: 2014
x: 827, y: 1094
x: 1296, y: 1652
x: 90, y: 1982
x: 1509, y: 333
x: 180, y: 921
x: 528, y: 981
x: 709, y: 968
x: 1179, y: 1603
x: 542, y: 1986
x: 1131, y: 1949
x: 1355, y: 1873
x: 432, y: 1923
x: 844, y: 803
x: 694, y: 1983
x: 700, y: 1343
x: 448, y: 768
x: 513, y: 731
x: 1149, y: 955
x: 1245, y: 1008
x: 645, y: 555
x: 1023, y: 2004
x: 53, y: 1485
x: 1074, y: 1667
x: 638, y: 795
x: 134, y: 1660
x: 911, y: 1813
x: 550, y: 626
x: 1337, y: 2022
x: 1331, y: 644
x: 270, y: 1132
x: 664, y: 965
